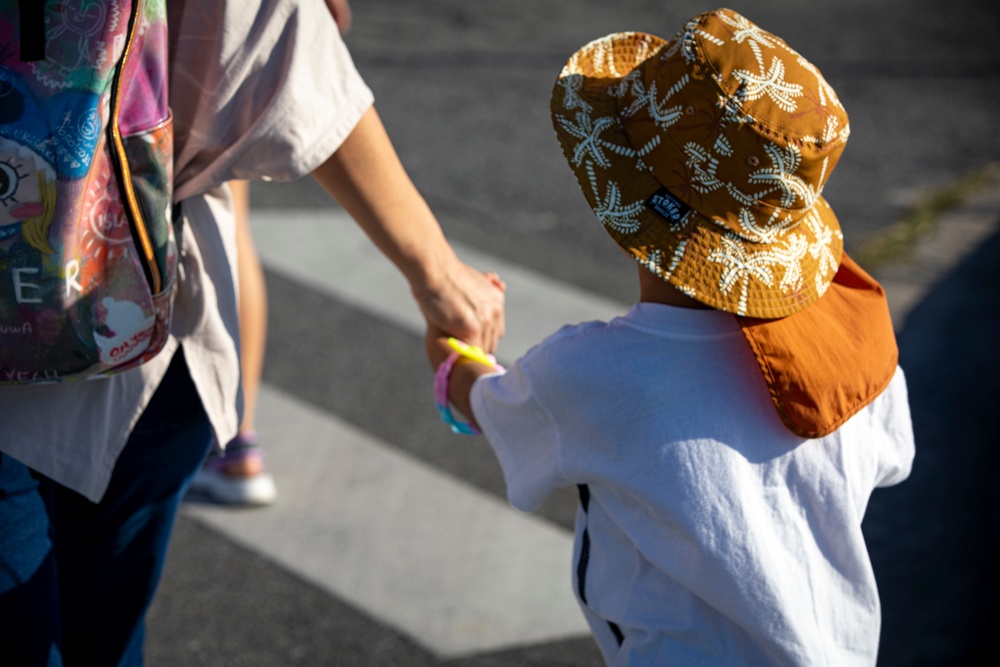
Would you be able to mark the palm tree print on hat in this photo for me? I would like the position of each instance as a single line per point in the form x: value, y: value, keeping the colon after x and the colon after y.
x: 740, y: 265
x: 821, y: 249
x: 663, y: 116
x: 609, y: 208
x: 743, y: 29
x: 769, y: 232
x: 785, y: 162
x: 571, y: 93
x: 591, y: 145
x: 770, y: 83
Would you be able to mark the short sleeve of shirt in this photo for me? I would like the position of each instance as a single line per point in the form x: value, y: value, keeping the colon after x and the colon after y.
x: 259, y: 89
x: 892, y: 410
x: 522, y: 434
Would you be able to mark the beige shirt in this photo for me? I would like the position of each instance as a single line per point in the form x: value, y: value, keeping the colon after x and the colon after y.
x: 260, y: 89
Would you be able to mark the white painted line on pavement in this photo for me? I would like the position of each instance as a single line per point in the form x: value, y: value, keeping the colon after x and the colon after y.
x: 327, y: 251
x: 450, y: 566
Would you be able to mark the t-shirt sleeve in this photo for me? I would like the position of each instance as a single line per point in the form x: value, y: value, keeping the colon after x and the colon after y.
x: 897, y: 453
x: 523, y: 436
x: 259, y: 89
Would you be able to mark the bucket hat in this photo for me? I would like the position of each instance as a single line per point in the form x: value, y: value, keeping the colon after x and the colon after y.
x: 705, y: 158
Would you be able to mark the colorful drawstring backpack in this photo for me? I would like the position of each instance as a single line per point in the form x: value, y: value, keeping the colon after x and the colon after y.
x: 87, y: 248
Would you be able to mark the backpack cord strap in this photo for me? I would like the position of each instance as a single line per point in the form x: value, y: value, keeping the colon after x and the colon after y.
x: 32, y: 18
x: 584, y: 562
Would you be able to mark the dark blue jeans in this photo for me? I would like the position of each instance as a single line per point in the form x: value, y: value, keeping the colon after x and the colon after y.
x: 76, y: 578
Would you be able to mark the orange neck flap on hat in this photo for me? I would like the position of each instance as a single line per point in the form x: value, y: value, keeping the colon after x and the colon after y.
x: 827, y: 362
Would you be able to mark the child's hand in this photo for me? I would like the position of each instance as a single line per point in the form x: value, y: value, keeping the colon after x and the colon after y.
x: 494, y: 278
x: 463, y: 374
x: 436, y: 344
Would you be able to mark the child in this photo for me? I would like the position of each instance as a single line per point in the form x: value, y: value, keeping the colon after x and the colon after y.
x: 726, y: 433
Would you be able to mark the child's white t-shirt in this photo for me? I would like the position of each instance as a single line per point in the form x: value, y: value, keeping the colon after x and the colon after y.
x: 712, y: 535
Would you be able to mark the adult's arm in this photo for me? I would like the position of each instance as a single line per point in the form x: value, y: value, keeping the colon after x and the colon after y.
x: 364, y: 175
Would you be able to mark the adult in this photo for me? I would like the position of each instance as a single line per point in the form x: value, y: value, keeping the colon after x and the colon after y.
x: 91, y: 474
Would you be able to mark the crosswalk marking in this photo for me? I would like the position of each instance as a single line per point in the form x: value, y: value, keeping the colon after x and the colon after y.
x: 326, y: 251
x: 455, y: 569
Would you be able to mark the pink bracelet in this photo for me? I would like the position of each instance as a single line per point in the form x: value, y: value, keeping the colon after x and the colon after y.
x: 442, y: 378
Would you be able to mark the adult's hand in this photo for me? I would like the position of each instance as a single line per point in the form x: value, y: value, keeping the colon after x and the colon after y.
x: 366, y: 177
x: 466, y: 303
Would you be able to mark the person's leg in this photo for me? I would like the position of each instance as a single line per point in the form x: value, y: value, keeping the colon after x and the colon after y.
x: 29, y: 599
x: 109, y: 555
x: 252, y: 305
x: 239, y: 476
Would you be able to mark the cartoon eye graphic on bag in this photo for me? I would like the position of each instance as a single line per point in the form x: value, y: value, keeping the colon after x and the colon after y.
x: 20, y: 195
x: 27, y: 194
x: 9, y: 178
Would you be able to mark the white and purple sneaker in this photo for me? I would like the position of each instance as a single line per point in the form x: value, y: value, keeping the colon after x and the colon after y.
x: 237, y: 476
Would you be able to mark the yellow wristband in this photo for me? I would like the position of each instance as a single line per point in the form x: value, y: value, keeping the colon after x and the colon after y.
x: 473, y: 352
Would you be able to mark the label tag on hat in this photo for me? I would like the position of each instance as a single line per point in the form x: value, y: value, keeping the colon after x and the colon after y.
x: 668, y: 206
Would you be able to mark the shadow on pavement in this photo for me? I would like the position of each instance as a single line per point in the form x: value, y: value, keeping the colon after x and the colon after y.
x: 934, y: 539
